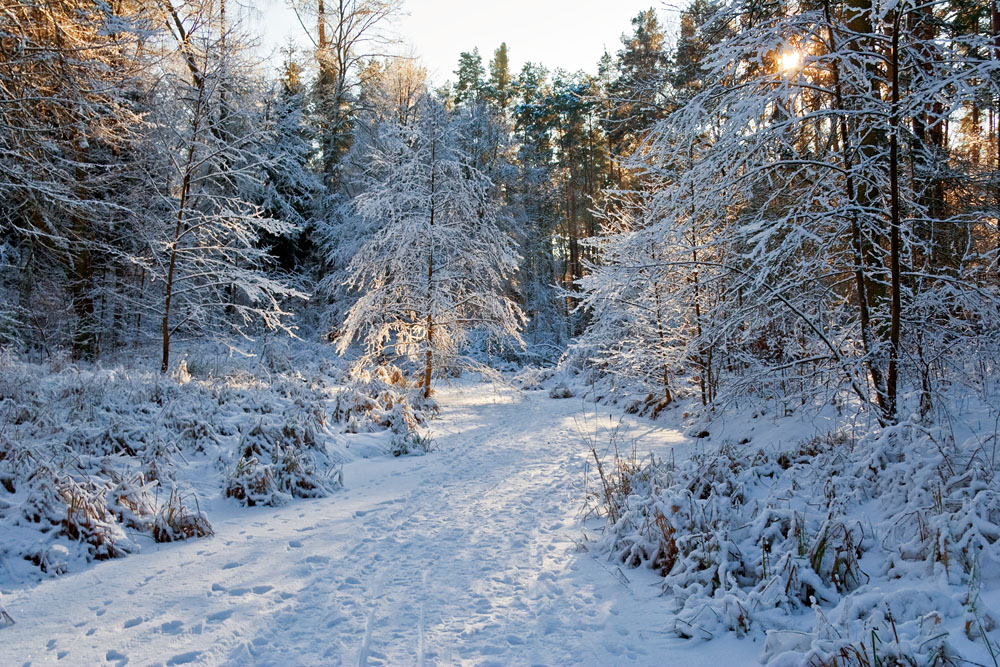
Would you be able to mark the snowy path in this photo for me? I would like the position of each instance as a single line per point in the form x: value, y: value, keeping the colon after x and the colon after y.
x: 466, y: 556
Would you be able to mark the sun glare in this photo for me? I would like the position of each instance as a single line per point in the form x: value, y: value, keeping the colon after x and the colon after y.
x: 790, y: 60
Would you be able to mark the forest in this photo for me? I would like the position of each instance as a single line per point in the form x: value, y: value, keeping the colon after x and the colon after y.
x: 763, y: 235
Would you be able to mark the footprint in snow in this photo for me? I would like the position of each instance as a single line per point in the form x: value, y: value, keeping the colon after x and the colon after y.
x: 319, y: 560
x: 229, y: 566
x: 260, y: 590
x: 171, y: 627
x: 116, y: 657
x: 132, y: 622
x: 219, y: 616
x: 295, y: 544
x: 183, y: 658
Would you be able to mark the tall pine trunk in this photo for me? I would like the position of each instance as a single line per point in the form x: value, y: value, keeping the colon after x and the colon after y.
x: 428, y: 362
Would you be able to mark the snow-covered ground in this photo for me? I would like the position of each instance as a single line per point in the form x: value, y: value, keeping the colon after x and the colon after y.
x: 469, y: 555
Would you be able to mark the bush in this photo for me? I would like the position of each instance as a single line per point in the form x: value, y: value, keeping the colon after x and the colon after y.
x: 410, y: 443
x: 382, y: 401
x: 175, y: 522
x: 280, y: 458
x: 739, y: 544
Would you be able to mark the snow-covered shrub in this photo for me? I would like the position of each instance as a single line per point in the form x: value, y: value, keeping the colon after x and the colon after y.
x: 69, y: 513
x: 651, y: 405
x: 744, y: 538
x: 280, y: 457
x: 531, y: 378
x: 381, y: 400
x: 57, y: 512
x: 561, y: 391
x: 175, y: 522
x: 95, y: 460
x: 410, y: 442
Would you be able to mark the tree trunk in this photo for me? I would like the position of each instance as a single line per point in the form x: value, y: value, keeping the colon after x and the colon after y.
x: 428, y: 361
x: 995, y: 10
x: 857, y: 245
x: 892, y: 380
x: 178, y: 231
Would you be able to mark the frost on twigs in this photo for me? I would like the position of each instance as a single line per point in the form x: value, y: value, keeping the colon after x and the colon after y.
x: 746, y: 540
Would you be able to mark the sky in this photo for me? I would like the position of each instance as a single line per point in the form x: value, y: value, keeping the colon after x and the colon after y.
x: 568, y: 34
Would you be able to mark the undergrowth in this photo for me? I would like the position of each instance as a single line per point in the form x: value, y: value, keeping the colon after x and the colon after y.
x: 95, y: 461
x: 746, y: 539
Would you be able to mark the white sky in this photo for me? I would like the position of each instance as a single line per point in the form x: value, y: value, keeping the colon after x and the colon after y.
x: 568, y: 34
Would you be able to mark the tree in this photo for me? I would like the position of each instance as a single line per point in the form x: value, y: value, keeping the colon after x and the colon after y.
x: 470, y: 73
x: 347, y: 35
x: 639, y: 89
x: 775, y: 213
x: 208, y: 256
x: 499, y: 88
x: 71, y: 133
x: 288, y: 188
x: 435, y: 263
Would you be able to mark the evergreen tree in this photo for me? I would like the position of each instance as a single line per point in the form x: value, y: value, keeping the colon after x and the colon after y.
x: 470, y: 73
x: 639, y: 91
x: 289, y: 189
x: 499, y: 89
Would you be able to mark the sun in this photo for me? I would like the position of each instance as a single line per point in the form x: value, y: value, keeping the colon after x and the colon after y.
x: 790, y: 60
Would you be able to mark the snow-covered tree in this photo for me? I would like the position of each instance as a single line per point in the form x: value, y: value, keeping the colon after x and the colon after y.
x: 435, y: 262
x: 207, y: 255
x: 780, y: 206
x: 72, y: 160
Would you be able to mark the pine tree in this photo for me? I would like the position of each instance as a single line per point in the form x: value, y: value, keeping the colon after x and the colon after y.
x: 639, y: 90
x: 289, y: 189
x: 470, y: 73
x: 499, y: 88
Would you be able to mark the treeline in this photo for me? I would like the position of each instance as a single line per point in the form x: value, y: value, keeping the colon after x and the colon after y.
x: 158, y: 181
x: 782, y: 200
x: 818, y: 212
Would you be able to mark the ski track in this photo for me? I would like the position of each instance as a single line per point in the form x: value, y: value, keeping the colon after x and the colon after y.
x: 466, y: 556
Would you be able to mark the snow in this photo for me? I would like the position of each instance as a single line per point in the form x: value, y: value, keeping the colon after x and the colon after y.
x: 468, y: 555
